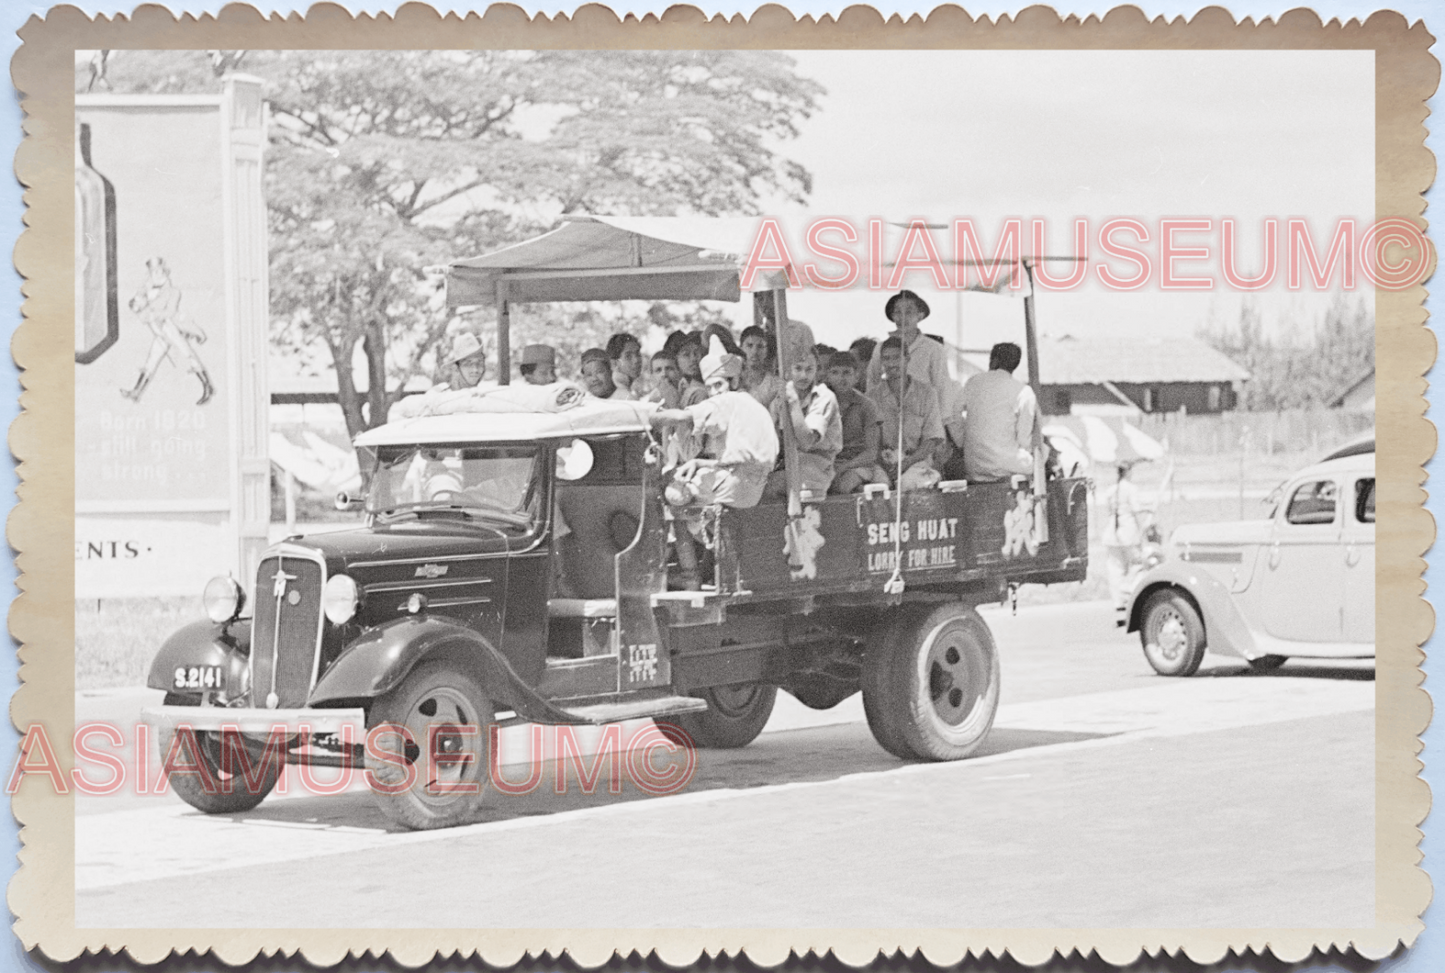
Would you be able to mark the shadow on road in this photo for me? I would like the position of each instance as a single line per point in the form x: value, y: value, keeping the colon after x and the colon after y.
x: 1293, y: 670
x: 790, y: 757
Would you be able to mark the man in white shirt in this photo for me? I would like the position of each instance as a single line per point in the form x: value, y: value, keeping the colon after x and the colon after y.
x: 999, y: 416
x: 739, y: 444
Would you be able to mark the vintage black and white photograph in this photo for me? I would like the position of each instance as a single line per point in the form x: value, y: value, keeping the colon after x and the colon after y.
x: 738, y: 488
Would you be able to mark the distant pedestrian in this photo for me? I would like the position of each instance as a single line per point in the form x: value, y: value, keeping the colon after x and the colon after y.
x: 1126, y: 520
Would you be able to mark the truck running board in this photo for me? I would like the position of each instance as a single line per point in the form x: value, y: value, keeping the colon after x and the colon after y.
x: 636, y: 709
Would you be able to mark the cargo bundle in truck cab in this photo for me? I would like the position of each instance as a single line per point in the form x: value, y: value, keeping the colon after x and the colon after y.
x: 515, y: 566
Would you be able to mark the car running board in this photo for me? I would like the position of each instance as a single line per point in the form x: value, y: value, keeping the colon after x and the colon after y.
x: 635, y: 709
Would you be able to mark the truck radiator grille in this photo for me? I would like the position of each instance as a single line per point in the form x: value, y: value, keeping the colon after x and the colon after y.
x: 286, y: 634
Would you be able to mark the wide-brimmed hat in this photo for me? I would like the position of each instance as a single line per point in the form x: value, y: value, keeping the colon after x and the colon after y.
x: 718, y: 361
x: 465, y: 346
x: 901, y: 296
x: 539, y: 355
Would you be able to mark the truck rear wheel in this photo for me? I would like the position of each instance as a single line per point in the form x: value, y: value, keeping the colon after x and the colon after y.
x: 222, y: 782
x: 931, y: 682
x: 734, y: 717
x: 427, y: 767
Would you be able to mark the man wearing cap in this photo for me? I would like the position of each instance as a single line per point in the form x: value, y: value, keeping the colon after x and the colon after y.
x: 467, y: 363
x: 927, y: 363
x: 739, y: 444
x: 597, y: 375
x: 998, y: 422
x: 539, y: 364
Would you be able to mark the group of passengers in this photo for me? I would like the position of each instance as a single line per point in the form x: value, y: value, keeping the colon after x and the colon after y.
x: 857, y: 416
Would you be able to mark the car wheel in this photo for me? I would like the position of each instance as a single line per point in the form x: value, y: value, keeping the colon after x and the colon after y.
x: 734, y: 717
x: 1267, y: 663
x: 219, y: 773
x: 427, y: 765
x: 931, y: 683
x: 1172, y: 634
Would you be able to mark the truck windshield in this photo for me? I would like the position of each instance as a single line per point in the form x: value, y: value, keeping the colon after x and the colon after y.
x: 492, y: 483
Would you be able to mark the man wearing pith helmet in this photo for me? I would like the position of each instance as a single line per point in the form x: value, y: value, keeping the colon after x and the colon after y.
x: 927, y: 363
x: 466, y: 364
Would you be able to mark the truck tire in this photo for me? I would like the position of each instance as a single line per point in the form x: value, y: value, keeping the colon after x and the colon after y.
x: 734, y: 717
x: 434, y: 705
x: 1172, y: 634
x: 931, y: 682
x: 215, y: 788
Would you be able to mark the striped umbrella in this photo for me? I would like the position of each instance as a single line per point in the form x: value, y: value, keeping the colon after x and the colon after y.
x: 1085, y: 440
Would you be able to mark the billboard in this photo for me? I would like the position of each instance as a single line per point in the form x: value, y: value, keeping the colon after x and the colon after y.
x: 172, y: 479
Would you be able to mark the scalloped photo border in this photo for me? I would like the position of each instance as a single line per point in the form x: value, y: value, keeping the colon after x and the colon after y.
x: 42, y: 892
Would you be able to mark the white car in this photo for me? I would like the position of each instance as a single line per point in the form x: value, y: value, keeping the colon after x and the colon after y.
x: 1299, y: 584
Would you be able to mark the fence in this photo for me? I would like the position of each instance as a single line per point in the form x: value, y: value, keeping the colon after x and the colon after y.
x: 1260, y: 433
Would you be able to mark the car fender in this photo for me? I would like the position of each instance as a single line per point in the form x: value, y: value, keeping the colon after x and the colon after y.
x: 1225, y: 631
x: 377, y: 662
x: 205, y: 643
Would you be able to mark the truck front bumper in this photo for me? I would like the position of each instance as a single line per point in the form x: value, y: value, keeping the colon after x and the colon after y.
x: 262, y: 721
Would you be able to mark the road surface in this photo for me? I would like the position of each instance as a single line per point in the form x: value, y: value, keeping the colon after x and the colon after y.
x: 1105, y: 796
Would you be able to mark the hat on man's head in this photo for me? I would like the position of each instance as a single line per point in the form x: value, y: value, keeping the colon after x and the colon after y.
x: 465, y: 346
x: 539, y: 355
x: 900, y: 297
x: 595, y: 354
x: 718, y: 362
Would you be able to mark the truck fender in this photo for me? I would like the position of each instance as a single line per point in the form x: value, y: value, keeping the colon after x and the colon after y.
x: 1225, y: 631
x: 382, y: 657
x: 205, y: 643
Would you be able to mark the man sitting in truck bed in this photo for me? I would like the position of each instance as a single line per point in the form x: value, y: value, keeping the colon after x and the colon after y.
x: 812, y: 410
x: 922, y: 424
x: 739, y: 444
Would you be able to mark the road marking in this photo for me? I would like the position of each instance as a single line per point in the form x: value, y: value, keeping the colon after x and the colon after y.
x: 113, y: 849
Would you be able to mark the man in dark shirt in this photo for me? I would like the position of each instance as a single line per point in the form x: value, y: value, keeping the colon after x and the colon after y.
x: 857, y: 463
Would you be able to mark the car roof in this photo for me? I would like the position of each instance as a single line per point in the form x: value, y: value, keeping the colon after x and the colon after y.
x: 1351, y: 463
x: 507, y: 413
x: 1364, y: 443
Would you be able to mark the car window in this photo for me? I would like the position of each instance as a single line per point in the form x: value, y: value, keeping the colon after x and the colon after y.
x: 1312, y: 503
x: 1365, y: 501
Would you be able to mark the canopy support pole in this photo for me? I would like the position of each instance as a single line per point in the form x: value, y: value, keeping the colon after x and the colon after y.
x: 504, y: 335
x: 1031, y: 340
x: 785, y: 372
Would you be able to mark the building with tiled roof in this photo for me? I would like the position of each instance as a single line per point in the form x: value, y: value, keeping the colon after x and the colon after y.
x: 1135, y: 375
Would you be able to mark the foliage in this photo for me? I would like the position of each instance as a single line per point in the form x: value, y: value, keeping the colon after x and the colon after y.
x: 382, y: 163
x: 1302, y: 367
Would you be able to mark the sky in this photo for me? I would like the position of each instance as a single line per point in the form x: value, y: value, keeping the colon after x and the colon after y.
x: 1089, y: 134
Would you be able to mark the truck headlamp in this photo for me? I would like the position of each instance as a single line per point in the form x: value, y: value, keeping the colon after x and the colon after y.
x: 339, y: 599
x: 223, y: 599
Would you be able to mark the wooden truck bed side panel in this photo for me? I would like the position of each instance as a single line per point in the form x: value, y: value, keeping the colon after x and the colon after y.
x: 983, y: 533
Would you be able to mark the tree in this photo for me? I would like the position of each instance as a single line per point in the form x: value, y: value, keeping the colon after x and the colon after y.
x: 382, y: 163
x: 1294, y: 370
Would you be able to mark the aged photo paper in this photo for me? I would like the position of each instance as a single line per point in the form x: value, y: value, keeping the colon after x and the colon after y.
x: 590, y: 485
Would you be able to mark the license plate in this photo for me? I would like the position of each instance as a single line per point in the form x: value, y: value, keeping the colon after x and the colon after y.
x: 198, y: 677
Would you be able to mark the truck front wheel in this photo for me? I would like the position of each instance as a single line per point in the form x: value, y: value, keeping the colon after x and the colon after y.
x: 427, y: 765
x: 222, y: 773
x: 734, y: 717
x: 931, y: 682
